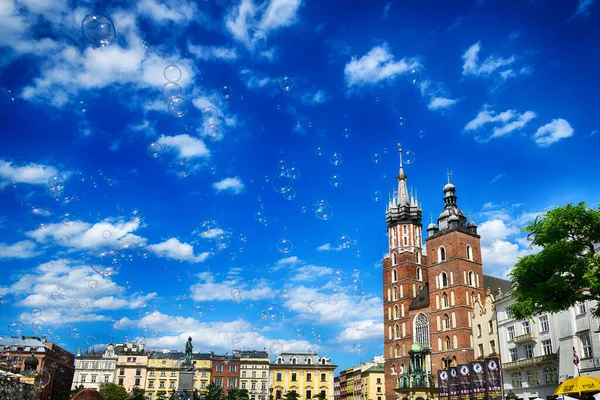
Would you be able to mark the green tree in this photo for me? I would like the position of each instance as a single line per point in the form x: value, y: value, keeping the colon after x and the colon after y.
x: 291, y: 395
x: 161, y: 396
x: 214, y: 392
x: 320, y: 396
x: 112, y: 391
x: 567, y: 269
x: 238, y: 394
x: 137, y: 394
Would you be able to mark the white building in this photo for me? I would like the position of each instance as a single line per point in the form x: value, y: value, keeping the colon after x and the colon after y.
x: 91, y: 370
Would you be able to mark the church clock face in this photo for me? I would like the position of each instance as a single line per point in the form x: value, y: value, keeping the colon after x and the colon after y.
x: 477, y: 368
x: 444, y: 375
x: 464, y: 370
x: 492, y: 365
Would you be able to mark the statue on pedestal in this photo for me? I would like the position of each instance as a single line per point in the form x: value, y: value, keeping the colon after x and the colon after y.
x: 188, y: 352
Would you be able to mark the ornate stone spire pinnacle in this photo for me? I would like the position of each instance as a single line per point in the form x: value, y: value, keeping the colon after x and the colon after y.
x: 403, y: 198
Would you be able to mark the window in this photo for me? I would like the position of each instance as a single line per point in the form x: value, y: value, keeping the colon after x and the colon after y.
x: 308, y: 377
x: 526, y: 327
x: 478, y: 330
x: 492, y: 346
x: 121, y: 381
x: 418, y: 256
x: 122, y: 371
x: 279, y: 377
x: 138, y: 372
x: 550, y: 375
x: 150, y: 384
x: 203, y: 373
x: 396, y: 311
x: 469, y: 253
x: 547, y: 347
x: 544, y: 326
x: 219, y: 382
x: 443, y: 280
x: 529, y: 350
x: 323, y: 377
x: 586, y: 345
x: 231, y: 382
x: 232, y: 368
x: 581, y: 309
x: 441, y: 254
x: 510, y: 332
x: 243, y: 374
x: 173, y: 373
x: 137, y: 381
x: 513, y: 354
x: 446, y: 322
x: 293, y: 377
x: 243, y: 385
x: 264, y: 374
x: 149, y: 397
x: 254, y: 374
x: 172, y: 385
x: 532, y: 378
x: 219, y: 368
x: 395, y: 294
x: 445, y: 303
x: 309, y: 361
x: 422, y: 330
x: 278, y: 394
x: 83, y: 378
x: 161, y: 384
x: 163, y: 373
x: 515, y: 379
x: 394, y: 275
x: 379, y: 389
x: 308, y: 394
x: 396, y: 331
x: 152, y: 372
x: 491, y: 326
x: 253, y: 387
x: 471, y: 278
x: 394, y: 259
x: 203, y: 385
x: 106, y: 378
x: 94, y: 378
x: 419, y: 274
x: 481, y: 352
x: 263, y: 386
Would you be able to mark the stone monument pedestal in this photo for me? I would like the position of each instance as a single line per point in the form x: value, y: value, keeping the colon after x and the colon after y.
x: 185, y: 389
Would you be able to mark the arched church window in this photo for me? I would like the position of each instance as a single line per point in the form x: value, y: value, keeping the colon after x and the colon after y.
x: 394, y: 275
x: 394, y: 259
x: 422, y: 330
x: 441, y: 254
x: 444, y: 280
x: 469, y: 253
x: 419, y: 274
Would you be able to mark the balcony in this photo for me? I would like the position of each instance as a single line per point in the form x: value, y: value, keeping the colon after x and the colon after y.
x: 526, y: 337
x: 524, y: 362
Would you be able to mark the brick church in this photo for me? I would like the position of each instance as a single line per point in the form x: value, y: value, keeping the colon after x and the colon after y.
x: 428, y: 299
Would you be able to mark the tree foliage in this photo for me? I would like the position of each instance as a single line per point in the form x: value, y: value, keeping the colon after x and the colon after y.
x: 567, y: 269
x: 291, y: 395
x: 238, y: 394
x: 214, y: 392
x: 137, y: 394
x: 320, y: 396
x: 112, y: 391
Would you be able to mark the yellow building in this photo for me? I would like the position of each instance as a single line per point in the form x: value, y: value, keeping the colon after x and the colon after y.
x: 304, y: 373
x: 363, y: 382
x: 373, y: 383
x: 163, y: 373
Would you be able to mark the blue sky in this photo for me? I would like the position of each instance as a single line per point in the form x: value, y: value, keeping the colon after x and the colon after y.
x: 248, y: 211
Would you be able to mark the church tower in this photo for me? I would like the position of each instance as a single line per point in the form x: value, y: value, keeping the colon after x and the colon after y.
x: 455, y: 280
x: 404, y: 278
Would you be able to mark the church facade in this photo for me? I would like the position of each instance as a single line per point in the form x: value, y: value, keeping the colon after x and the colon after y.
x: 428, y: 295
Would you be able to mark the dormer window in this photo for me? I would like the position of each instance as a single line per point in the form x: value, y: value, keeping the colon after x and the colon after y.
x: 323, y: 361
x: 294, y: 360
x: 279, y: 360
x: 308, y: 361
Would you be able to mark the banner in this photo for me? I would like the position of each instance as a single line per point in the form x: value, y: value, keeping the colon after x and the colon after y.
x: 493, y: 378
x: 443, y: 384
x: 464, y: 382
x: 478, y: 380
x: 453, y: 384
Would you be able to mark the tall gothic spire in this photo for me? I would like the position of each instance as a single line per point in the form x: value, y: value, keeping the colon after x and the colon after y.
x: 403, y: 198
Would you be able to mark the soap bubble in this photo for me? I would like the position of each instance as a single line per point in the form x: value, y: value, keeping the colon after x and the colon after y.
x: 286, y: 83
x: 237, y: 295
x: 408, y: 157
x: 259, y: 216
x: 106, y: 234
x: 179, y: 302
x: 346, y: 133
x: 145, y: 308
x: 75, y: 333
x: 276, y: 348
x: 56, y: 181
x: 376, y: 195
x: 421, y: 134
x: 282, y: 182
x: 93, y: 284
x: 37, y: 325
x: 98, y: 30
x: 182, y: 168
x: 222, y: 241
x: 226, y: 92
x: 323, y: 210
x: 172, y: 73
x: 376, y: 158
x: 285, y: 245
x: 272, y: 312
x: 62, y: 193
x: 171, y: 89
x: 82, y: 106
x: 154, y: 150
x: 344, y: 241
x: 15, y: 327
x: 200, y: 310
x: 106, y: 262
x: 129, y: 250
x: 35, y: 312
x: 68, y: 219
x: 289, y: 195
x: 335, y: 159
x: 177, y: 106
x: 401, y: 121
x: 338, y: 277
x: 335, y: 180
x: 414, y: 75
x: 137, y: 216
x: 41, y: 379
x: 293, y: 173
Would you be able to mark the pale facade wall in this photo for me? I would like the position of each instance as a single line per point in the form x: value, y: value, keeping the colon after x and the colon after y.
x: 131, y: 371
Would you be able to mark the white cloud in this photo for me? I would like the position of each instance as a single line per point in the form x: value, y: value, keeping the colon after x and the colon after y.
x: 233, y: 185
x: 288, y: 262
x: 368, y: 329
x: 437, y: 103
x: 178, y: 11
x: 473, y: 67
x: 229, y: 290
x: 255, y: 80
x: 310, y: 273
x: 583, y: 8
x: 174, y: 249
x: 504, y: 123
x: 377, y: 65
x: 185, y: 146
x: 495, y: 229
x: 22, y: 249
x: 498, y: 177
x: 552, y: 132
x: 312, y: 98
x: 212, y: 233
x: 211, y: 53
x: 250, y: 24
x: 329, y: 247
x: 35, y: 174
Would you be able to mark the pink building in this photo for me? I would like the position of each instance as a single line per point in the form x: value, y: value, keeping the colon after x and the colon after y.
x: 131, y: 366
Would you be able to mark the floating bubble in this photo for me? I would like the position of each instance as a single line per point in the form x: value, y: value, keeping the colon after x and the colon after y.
x: 276, y: 348
x: 137, y: 216
x: 106, y: 262
x: 401, y: 121
x: 259, y: 216
x: 286, y: 83
x: 408, y: 157
x: 285, y: 245
x: 177, y: 106
x: 98, y: 30
x: 338, y: 277
x: 376, y: 158
x: 346, y: 133
x: 210, y: 114
x: 313, y: 306
x: 421, y: 134
x: 236, y: 295
x: 214, y: 131
x: 359, y: 348
x: 68, y: 219
x: 154, y: 150
x: 344, y: 241
x: 335, y: 180
x: 93, y: 284
x: 41, y: 379
x: 35, y: 312
x: 41, y: 216
x: 63, y: 194
x: 289, y: 195
x: 145, y: 309
x: 37, y: 325
x: 171, y: 89
x: 319, y: 151
x: 172, y: 73
x: 144, y: 44
x: 56, y: 181
x: 285, y: 294
x: 182, y: 168
x: 200, y: 310
x: 299, y: 333
x: 282, y: 182
x: 129, y: 251
x: 335, y: 158
x: 179, y: 302
x: 376, y: 195
x: 82, y: 106
x: 222, y: 241
x: 282, y: 165
x: 75, y: 333
x: 293, y: 173
x: 414, y: 76
x: 271, y: 313
x: 106, y: 234
x: 64, y: 239
x: 226, y: 92
x: 303, y: 209
x: 15, y: 327
x: 323, y: 210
